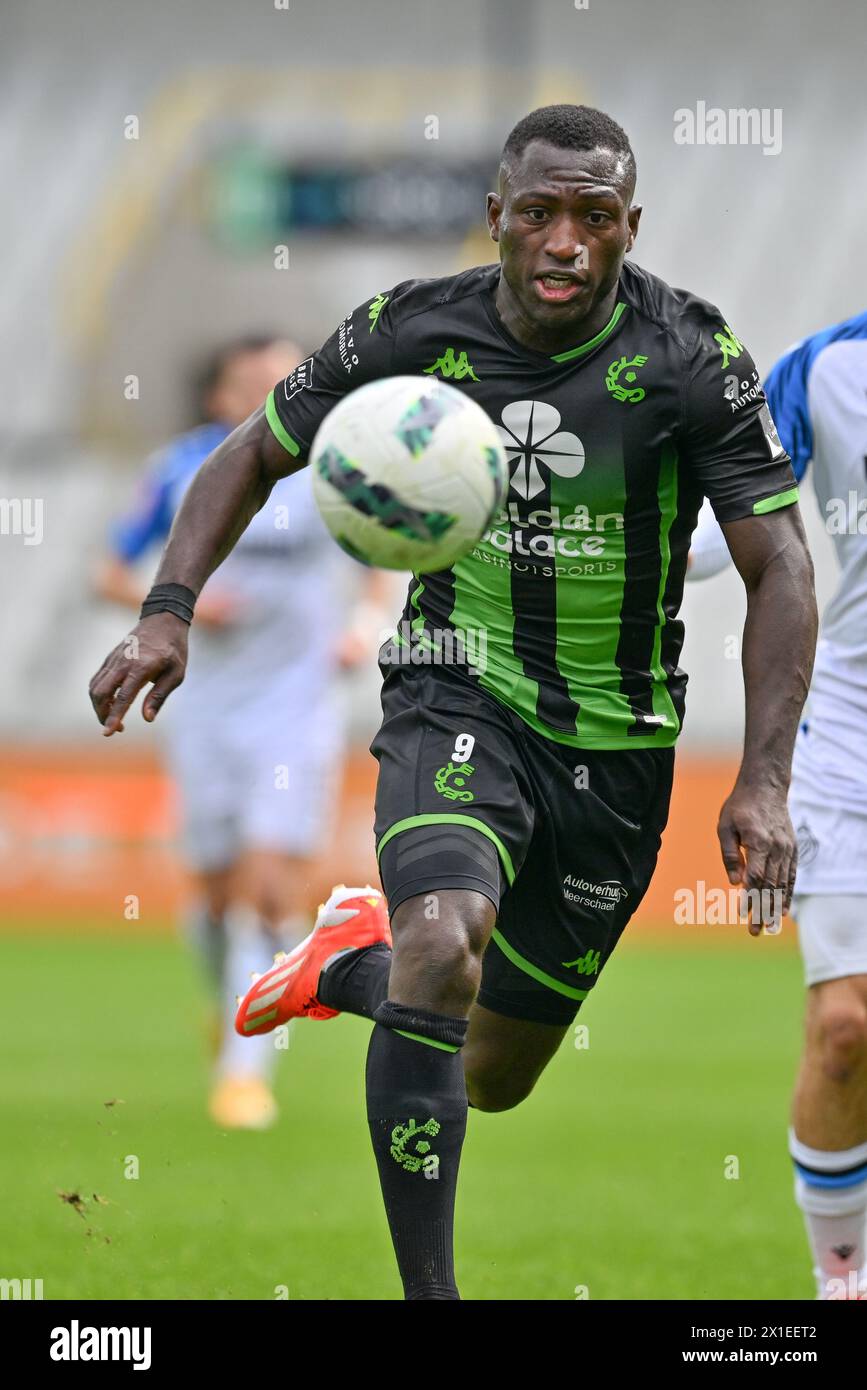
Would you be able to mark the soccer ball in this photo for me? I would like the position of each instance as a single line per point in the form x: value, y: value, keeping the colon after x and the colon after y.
x: 408, y: 473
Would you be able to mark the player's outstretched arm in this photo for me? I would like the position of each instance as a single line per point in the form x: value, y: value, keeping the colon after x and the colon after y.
x: 232, y: 485
x: 755, y: 831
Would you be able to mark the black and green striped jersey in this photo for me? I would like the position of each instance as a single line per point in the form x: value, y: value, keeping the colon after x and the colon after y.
x: 575, y: 588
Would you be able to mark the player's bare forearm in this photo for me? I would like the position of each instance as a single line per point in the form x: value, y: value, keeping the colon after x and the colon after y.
x: 779, y: 640
x: 756, y: 834
x: 230, y: 487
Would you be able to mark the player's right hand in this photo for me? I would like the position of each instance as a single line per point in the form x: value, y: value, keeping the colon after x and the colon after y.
x: 155, y: 651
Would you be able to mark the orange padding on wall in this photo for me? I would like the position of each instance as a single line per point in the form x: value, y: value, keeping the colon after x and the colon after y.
x: 89, y: 835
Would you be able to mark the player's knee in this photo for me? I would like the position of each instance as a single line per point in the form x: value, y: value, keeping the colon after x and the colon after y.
x: 842, y: 1039
x: 446, y: 966
x: 437, y: 960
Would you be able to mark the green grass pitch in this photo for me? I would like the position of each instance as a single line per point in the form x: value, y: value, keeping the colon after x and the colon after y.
x: 612, y: 1176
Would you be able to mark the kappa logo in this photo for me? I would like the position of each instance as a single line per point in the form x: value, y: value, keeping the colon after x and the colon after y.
x: 533, y: 441
x: 588, y: 964
x: 729, y: 345
x: 374, y: 309
x: 452, y: 368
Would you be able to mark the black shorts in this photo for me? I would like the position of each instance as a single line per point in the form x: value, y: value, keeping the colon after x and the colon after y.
x: 563, y: 840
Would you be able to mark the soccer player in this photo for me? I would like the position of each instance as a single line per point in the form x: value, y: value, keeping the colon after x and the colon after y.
x: 259, y: 697
x: 519, y: 809
x: 818, y: 393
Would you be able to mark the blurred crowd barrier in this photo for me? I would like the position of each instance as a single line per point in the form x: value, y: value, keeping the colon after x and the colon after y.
x: 91, y: 842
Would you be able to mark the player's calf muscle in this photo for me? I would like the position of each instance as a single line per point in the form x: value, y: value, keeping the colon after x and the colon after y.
x: 437, y: 960
x: 495, y: 1081
x: 504, y: 1058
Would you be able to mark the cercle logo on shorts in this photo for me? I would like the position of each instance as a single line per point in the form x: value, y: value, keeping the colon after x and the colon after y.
x: 604, y: 895
x: 533, y: 441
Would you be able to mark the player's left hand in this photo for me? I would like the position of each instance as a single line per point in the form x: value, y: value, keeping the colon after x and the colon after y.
x: 760, y: 852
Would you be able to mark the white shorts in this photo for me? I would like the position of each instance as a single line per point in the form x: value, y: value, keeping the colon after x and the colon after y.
x: 266, y: 781
x: 828, y: 806
x: 832, y: 930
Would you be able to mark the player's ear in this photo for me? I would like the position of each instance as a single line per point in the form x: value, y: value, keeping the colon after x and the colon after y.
x: 633, y: 217
x: 493, y: 212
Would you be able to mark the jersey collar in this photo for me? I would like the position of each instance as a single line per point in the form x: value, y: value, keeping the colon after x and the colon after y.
x: 571, y: 354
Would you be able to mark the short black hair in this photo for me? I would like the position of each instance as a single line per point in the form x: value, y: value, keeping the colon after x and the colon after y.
x: 211, y: 372
x: 570, y: 128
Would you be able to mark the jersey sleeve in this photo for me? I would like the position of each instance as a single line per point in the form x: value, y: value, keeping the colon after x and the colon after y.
x: 149, y: 518
x: 361, y: 349
x: 729, y: 436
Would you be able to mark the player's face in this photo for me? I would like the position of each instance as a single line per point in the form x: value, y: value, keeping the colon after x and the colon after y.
x: 563, y: 224
x: 247, y: 379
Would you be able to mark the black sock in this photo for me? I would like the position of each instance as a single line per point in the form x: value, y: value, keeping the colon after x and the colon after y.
x: 417, y: 1113
x: 357, y: 981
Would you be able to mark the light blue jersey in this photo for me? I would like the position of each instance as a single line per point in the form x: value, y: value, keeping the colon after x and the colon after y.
x: 285, y: 575
x: 818, y: 395
x: 255, y: 733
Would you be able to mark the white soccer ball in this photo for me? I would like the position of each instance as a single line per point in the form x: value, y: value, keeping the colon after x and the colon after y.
x: 408, y: 473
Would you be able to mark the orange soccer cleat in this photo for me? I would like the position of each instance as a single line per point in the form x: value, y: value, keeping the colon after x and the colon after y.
x: 352, y: 918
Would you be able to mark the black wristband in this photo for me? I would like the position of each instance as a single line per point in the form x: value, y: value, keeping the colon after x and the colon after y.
x: 170, y: 598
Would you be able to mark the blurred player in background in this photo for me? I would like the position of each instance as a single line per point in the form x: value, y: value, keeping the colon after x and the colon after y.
x: 254, y: 738
x: 818, y: 395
